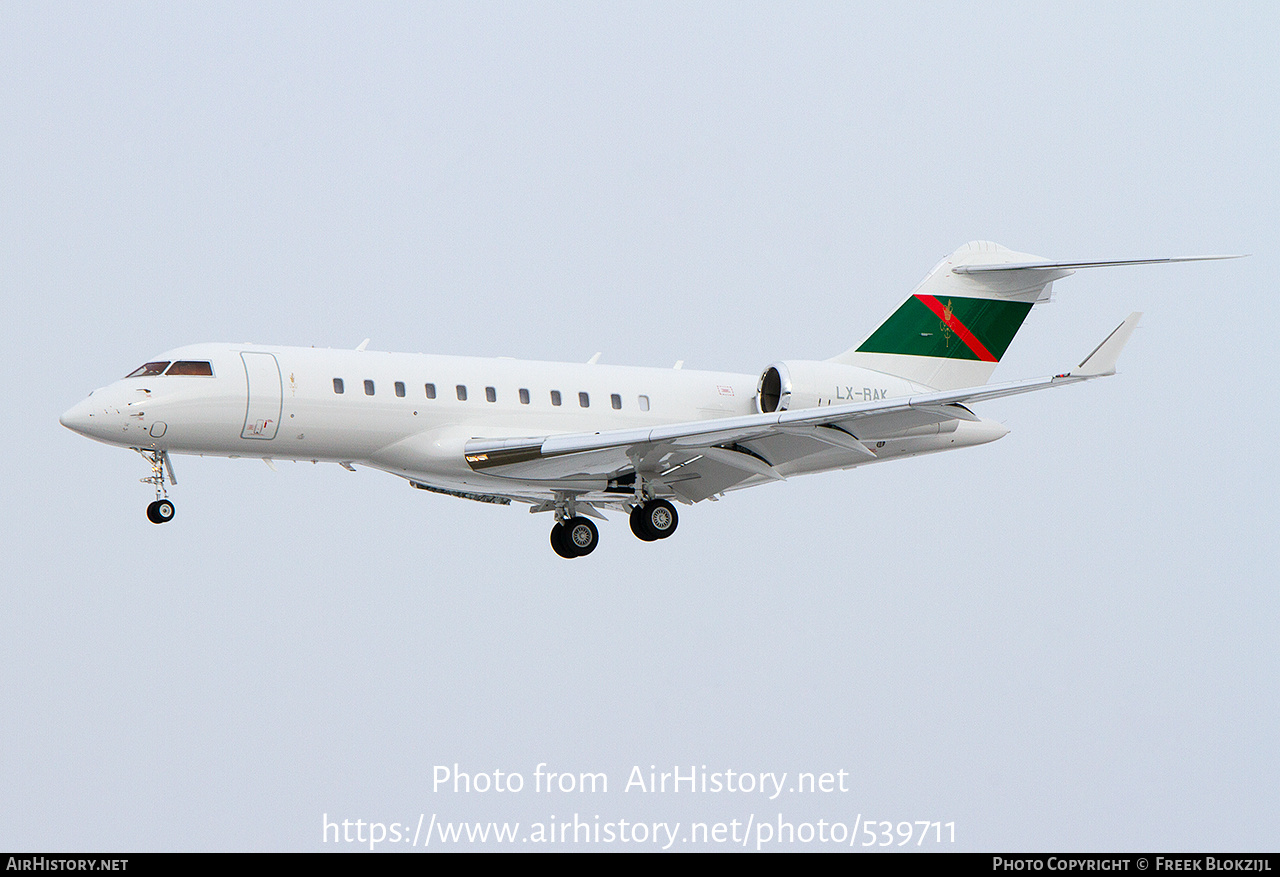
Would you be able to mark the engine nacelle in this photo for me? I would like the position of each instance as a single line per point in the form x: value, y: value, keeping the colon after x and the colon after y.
x: 796, y: 384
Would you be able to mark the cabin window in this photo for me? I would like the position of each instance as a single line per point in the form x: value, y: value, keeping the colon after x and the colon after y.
x: 462, y: 393
x: 584, y: 401
x: 644, y: 403
x: 616, y: 401
x: 555, y: 397
x: 146, y: 371
x: 368, y: 388
x: 524, y: 397
x: 338, y: 387
x: 400, y: 389
x: 187, y: 367
x: 431, y: 391
x: 491, y: 394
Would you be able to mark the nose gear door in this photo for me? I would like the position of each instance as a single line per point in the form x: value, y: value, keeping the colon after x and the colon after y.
x: 265, y: 396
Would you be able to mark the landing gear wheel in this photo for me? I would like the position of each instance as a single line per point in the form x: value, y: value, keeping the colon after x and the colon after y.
x: 661, y: 518
x: 160, y: 512
x: 583, y: 537
x: 576, y: 537
x: 656, y: 519
x: 638, y: 527
x: 560, y: 542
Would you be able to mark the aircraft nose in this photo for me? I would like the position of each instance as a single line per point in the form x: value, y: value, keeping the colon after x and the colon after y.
x: 78, y: 418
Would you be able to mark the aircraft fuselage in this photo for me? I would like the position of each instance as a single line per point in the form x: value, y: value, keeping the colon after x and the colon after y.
x: 412, y: 414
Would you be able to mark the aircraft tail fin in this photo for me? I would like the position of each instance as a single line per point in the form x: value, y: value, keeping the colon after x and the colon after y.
x: 956, y: 325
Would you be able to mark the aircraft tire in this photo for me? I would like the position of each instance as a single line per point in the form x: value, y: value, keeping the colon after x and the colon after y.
x: 659, y: 518
x: 560, y: 542
x: 581, y: 536
x: 638, y: 527
x: 160, y: 511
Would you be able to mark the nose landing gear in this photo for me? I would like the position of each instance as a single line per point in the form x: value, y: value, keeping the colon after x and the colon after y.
x: 161, y: 511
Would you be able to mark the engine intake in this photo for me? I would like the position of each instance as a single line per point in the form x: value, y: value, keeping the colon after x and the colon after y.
x: 773, y: 393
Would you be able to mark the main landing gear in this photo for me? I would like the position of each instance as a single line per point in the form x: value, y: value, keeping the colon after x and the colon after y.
x: 160, y: 511
x: 655, y: 519
x: 576, y: 536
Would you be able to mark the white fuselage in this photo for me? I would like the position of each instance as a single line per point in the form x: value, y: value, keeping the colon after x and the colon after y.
x: 283, y: 403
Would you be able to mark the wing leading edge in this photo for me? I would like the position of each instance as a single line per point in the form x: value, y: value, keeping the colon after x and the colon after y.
x: 700, y: 459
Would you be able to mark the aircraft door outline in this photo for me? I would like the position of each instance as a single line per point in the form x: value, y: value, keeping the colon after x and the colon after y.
x: 265, y: 395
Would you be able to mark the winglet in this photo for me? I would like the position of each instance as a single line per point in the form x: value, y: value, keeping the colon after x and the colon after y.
x: 1103, y: 359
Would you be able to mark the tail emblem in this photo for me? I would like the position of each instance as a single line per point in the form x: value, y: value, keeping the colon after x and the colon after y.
x: 950, y: 323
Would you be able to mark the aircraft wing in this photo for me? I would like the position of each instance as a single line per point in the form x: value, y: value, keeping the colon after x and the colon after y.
x: 700, y: 459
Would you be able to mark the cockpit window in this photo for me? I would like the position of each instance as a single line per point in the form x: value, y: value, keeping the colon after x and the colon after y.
x: 188, y: 367
x: 151, y: 368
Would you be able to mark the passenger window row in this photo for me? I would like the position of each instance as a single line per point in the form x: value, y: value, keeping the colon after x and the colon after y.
x: 491, y: 394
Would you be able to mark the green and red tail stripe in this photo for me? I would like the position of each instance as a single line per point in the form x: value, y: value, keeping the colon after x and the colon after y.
x: 957, y: 328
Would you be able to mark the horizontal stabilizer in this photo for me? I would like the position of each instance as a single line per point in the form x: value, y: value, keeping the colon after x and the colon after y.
x: 1071, y: 266
x: 1103, y: 359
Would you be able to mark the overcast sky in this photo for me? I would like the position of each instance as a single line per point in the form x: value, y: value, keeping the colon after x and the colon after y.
x: 1064, y: 640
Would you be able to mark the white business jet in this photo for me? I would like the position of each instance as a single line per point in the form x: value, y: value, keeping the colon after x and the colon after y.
x: 578, y: 439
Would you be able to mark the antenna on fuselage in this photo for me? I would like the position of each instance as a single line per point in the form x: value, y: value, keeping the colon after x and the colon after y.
x: 363, y: 344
